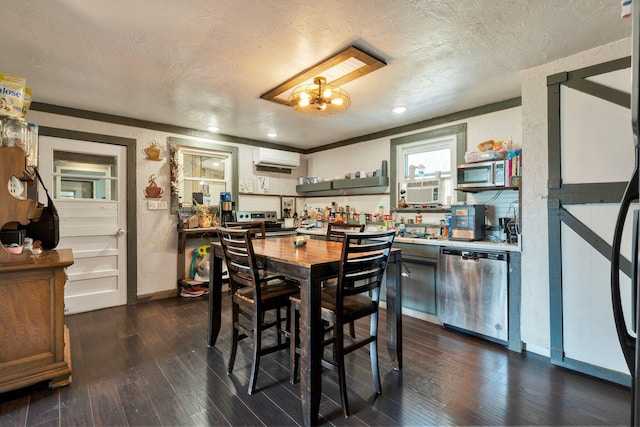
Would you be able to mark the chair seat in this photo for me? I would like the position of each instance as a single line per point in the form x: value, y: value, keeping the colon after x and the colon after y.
x: 282, y: 289
x: 354, y: 306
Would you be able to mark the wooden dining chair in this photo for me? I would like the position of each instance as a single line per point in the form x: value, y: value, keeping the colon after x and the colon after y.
x: 362, y: 265
x: 254, y: 292
x: 335, y: 232
x: 257, y: 228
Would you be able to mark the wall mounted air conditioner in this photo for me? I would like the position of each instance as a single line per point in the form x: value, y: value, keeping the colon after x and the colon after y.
x: 275, y: 158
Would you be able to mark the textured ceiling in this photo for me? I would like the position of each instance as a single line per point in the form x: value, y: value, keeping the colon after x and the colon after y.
x: 193, y: 63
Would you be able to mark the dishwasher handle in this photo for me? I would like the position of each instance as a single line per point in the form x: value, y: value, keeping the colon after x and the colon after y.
x: 474, y: 255
x: 470, y: 256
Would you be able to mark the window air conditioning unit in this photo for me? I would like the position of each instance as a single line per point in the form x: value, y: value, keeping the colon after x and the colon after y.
x: 420, y: 192
x: 275, y: 158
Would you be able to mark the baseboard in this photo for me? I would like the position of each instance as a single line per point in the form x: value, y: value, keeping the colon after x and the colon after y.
x: 171, y: 293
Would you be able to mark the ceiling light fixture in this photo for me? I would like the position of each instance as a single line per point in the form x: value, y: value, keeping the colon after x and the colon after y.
x: 213, y: 128
x: 399, y: 109
x: 319, y: 98
x: 344, y: 67
x: 272, y: 134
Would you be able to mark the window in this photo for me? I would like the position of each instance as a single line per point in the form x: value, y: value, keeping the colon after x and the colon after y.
x: 205, y: 174
x: 84, y: 176
x: 426, y: 155
x: 424, y: 158
x: 201, y: 170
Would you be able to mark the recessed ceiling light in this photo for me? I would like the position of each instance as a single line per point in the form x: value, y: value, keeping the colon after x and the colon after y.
x: 399, y: 109
x: 272, y: 134
x: 213, y: 128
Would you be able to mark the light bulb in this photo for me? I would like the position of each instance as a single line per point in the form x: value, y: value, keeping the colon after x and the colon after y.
x: 337, y: 101
x: 303, y: 101
x: 327, y: 93
x: 304, y: 95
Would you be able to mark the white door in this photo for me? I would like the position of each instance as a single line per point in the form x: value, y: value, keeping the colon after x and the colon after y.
x: 87, y: 182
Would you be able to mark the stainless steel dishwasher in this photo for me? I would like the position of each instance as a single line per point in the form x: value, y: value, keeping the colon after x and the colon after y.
x: 473, y: 291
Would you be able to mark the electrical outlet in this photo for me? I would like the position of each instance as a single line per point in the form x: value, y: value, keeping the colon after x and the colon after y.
x: 162, y: 204
x: 152, y: 204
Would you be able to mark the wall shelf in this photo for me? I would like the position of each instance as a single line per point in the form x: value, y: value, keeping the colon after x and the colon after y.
x: 344, y: 184
x: 422, y: 210
x: 318, y: 186
x: 374, y: 181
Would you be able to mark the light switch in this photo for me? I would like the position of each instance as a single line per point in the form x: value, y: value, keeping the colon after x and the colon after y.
x: 162, y: 204
x: 152, y: 204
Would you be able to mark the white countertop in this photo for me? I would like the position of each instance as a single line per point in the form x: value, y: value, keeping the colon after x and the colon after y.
x: 483, y: 244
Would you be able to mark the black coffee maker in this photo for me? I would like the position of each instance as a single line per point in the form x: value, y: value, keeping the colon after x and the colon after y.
x: 227, y: 209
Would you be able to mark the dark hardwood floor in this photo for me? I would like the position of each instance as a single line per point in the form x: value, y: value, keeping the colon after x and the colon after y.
x: 148, y: 365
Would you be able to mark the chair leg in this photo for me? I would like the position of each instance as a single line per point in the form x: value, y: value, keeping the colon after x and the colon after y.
x: 294, y: 342
x: 373, y: 353
x: 257, y: 345
x: 373, y: 350
x: 278, y: 326
x: 234, y: 348
x: 234, y: 338
x: 352, y: 330
x: 342, y: 380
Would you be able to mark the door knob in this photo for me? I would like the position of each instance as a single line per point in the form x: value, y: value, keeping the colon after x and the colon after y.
x: 120, y: 232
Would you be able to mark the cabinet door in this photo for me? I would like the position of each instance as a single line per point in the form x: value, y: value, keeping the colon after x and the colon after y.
x: 418, y: 286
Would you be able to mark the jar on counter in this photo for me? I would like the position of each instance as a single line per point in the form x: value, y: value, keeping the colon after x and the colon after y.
x: 14, y: 133
x: 32, y: 146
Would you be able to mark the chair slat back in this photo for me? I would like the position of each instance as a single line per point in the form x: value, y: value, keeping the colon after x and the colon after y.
x: 256, y: 228
x: 363, y: 263
x: 240, y: 258
x: 336, y: 232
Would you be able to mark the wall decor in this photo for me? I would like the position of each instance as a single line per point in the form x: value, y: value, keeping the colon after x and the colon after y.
x: 176, y: 169
x: 153, y: 191
x: 288, y: 206
x: 263, y: 184
x: 153, y: 151
x: 246, y: 185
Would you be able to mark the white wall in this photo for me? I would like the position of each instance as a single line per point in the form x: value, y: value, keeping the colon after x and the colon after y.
x: 157, y: 236
x: 535, y: 268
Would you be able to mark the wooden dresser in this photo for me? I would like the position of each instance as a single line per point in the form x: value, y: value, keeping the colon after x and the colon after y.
x: 34, y: 343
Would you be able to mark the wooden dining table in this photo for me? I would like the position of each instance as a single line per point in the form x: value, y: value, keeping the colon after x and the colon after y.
x: 310, y: 265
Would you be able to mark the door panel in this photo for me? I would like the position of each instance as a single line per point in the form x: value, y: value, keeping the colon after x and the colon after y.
x: 88, y: 183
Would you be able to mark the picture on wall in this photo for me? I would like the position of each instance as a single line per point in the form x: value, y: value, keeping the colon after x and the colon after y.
x: 288, y: 206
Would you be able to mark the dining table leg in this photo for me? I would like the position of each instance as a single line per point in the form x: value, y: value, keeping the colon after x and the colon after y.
x: 311, y: 348
x: 215, y: 297
x: 394, y: 309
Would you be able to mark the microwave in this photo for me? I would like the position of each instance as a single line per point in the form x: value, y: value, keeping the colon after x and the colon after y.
x: 482, y: 174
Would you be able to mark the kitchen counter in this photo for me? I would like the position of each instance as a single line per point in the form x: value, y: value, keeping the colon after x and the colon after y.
x: 481, y: 244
